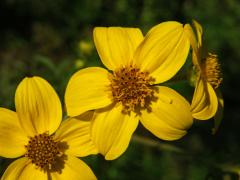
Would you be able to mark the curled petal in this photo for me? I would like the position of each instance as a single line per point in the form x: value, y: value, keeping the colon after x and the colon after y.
x: 199, y: 32
x: 170, y: 116
x: 204, y: 103
x: 219, y: 114
x: 196, y: 56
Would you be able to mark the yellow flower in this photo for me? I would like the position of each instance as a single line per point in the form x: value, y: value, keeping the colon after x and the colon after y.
x: 46, y: 149
x: 206, y: 100
x: 129, y: 92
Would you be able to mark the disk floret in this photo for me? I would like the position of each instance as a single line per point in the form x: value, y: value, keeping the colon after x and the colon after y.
x: 43, y: 151
x: 212, y: 70
x: 132, y: 88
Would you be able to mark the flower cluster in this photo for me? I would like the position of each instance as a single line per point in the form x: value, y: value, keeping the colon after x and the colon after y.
x: 105, y: 106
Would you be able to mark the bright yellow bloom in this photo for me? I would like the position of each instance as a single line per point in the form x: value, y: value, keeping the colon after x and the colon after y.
x: 47, y: 150
x: 129, y: 92
x: 205, y: 102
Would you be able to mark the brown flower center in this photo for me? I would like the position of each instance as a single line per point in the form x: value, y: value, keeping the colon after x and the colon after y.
x: 212, y: 70
x: 43, y: 151
x: 132, y: 88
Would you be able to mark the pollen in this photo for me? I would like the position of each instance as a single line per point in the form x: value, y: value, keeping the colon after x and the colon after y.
x: 212, y: 70
x: 132, y: 88
x: 43, y: 151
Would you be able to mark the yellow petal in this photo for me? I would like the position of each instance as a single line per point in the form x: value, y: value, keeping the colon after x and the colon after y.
x: 116, y: 45
x: 12, y: 137
x: 199, y: 32
x: 112, y: 131
x: 219, y: 114
x: 196, y: 56
x: 163, y: 51
x: 74, y: 169
x: 204, y: 103
x: 170, y: 116
x: 191, y: 36
x: 88, y: 89
x: 38, y: 106
x: 22, y: 169
x: 76, y: 133
x: 31, y: 172
x: 15, y: 169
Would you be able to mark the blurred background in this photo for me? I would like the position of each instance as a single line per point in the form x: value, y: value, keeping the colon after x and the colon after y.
x: 53, y: 39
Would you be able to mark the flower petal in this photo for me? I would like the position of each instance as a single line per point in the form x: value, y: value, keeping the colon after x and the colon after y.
x: 196, y: 56
x: 163, y: 51
x: 88, y: 89
x: 170, y: 116
x: 15, y: 169
x: 199, y: 32
x: 31, y: 172
x: 22, y: 169
x: 76, y: 133
x: 74, y: 168
x: 112, y: 131
x: 116, y: 45
x: 219, y: 114
x: 191, y: 36
x: 204, y: 103
x: 38, y: 106
x: 12, y: 137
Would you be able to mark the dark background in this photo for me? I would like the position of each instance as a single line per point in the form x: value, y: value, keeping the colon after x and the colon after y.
x: 53, y: 39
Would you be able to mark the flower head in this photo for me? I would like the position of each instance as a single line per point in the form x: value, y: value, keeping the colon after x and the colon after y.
x: 206, y: 99
x: 129, y: 91
x: 46, y: 149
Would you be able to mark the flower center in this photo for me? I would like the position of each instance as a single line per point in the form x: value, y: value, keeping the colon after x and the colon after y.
x: 43, y: 151
x: 212, y: 70
x: 132, y: 88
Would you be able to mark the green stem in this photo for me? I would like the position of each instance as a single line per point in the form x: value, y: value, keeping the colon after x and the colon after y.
x: 156, y: 144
